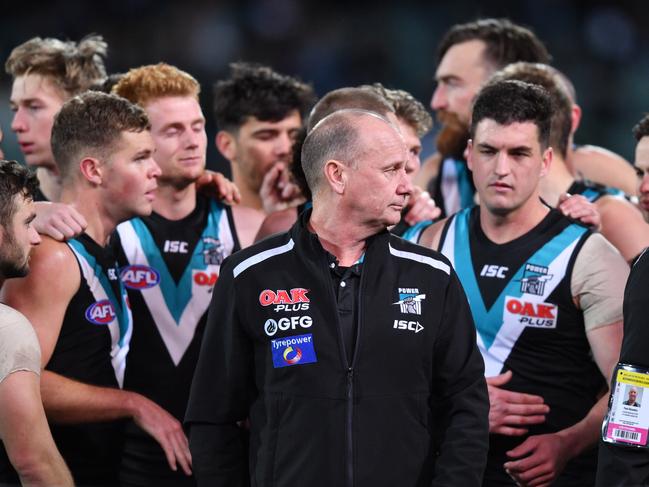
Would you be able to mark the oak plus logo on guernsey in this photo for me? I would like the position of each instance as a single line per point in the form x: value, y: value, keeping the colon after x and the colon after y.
x: 532, y: 314
x: 294, y: 350
x: 410, y: 300
x: 295, y: 299
x: 101, y: 312
x: 139, y: 277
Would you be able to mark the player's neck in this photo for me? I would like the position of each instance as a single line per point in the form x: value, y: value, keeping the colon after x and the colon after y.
x: 101, y: 224
x: 249, y: 197
x: 503, y: 228
x: 174, y: 203
x: 50, y: 183
x: 556, y: 182
x: 347, y: 245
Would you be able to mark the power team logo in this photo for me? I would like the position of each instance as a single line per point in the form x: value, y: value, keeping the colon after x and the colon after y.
x: 534, y: 279
x: 292, y: 300
x: 537, y: 315
x: 139, y: 277
x: 101, y: 313
x: 410, y: 300
x: 295, y: 350
x: 213, y: 251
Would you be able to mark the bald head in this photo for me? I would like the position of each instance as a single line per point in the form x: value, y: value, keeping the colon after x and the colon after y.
x: 361, y: 97
x: 344, y: 136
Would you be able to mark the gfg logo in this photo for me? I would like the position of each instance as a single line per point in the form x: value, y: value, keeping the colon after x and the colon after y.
x: 271, y: 326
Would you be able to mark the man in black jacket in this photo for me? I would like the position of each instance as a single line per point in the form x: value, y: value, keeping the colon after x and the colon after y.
x: 352, y: 351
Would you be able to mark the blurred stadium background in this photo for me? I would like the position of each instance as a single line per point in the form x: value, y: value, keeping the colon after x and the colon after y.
x: 603, y: 46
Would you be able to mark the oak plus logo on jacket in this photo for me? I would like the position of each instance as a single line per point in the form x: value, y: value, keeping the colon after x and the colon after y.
x: 410, y: 300
x: 295, y: 299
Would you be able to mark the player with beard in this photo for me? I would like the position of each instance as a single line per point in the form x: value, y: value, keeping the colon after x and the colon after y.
x: 23, y: 427
x: 468, y: 55
x: 171, y: 261
x: 75, y: 300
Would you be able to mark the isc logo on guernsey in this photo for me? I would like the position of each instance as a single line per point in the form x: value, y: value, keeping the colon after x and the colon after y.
x: 101, y: 312
x: 292, y: 300
x: 139, y: 277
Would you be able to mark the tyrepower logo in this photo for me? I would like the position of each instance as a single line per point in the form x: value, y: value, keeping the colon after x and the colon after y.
x: 139, y: 277
x: 101, y: 312
x: 292, y: 300
x: 537, y: 315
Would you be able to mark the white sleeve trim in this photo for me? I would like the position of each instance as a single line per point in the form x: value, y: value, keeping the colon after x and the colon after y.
x: 262, y: 256
x: 437, y: 264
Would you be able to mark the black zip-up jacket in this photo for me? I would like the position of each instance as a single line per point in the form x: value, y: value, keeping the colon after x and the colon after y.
x: 411, y: 409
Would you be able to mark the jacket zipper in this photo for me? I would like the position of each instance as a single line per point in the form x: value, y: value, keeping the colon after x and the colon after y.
x: 350, y: 388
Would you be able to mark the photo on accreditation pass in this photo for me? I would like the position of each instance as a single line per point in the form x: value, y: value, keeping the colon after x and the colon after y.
x: 627, y: 420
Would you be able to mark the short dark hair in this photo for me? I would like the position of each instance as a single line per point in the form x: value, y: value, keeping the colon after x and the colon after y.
x: 552, y: 81
x: 511, y: 101
x: 505, y: 42
x: 91, y: 124
x: 407, y: 108
x: 641, y: 129
x: 359, y: 97
x: 257, y: 91
x: 15, y: 179
x: 73, y: 67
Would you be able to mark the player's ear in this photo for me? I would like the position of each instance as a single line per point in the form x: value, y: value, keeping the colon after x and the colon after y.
x: 91, y: 169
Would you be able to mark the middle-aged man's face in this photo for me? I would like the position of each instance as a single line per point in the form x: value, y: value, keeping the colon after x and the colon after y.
x: 378, y: 188
x: 632, y: 396
x: 178, y: 131
x: 507, y: 164
x: 460, y: 75
x: 130, y: 176
x: 642, y: 169
x: 35, y: 100
x: 259, y: 145
x: 17, y: 239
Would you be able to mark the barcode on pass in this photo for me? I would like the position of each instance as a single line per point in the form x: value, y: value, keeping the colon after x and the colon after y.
x: 626, y: 435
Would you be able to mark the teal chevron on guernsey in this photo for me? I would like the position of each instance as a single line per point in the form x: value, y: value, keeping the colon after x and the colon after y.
x: 121, y: 329
x: 489, y: 322
x: 177, y: 296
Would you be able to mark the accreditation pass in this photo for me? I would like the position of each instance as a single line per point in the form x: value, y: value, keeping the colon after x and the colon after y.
x: 627, y: 420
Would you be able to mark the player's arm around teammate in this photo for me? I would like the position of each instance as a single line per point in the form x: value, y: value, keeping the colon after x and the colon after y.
x: 43, y: 297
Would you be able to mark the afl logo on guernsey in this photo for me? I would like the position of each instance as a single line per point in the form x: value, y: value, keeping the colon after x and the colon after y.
x: 101, y: 313
x: 139, y: 277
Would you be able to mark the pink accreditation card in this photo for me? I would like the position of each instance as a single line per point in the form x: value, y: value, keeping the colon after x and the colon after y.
x: 627, y: 420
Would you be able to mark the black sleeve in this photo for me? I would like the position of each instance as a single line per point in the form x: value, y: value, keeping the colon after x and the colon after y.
x: 221, y: 392
x: 460, y: 401
x: 621, y: 465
